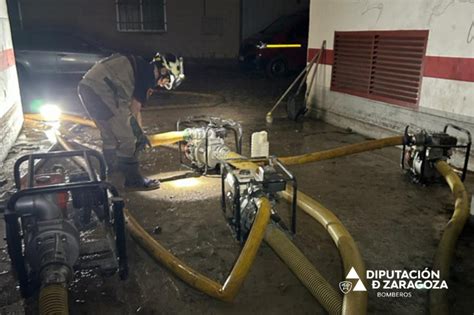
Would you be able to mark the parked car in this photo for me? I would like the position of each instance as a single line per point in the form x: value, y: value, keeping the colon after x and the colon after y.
x: 50, y: 53
x: 279, y: 48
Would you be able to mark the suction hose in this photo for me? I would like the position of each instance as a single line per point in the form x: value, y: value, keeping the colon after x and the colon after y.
x: 53, y: 300
x: 304, y: 270
x: 292, y: 256
x: 342, y: 151
x: 229, y: 290
x: 353, y: 302
x: 439, y: 298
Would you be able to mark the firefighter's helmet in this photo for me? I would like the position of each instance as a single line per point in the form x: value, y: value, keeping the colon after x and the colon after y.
x: 174, y: 65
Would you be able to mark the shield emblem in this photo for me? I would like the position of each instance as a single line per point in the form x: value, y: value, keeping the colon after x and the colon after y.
x: 345, y: 286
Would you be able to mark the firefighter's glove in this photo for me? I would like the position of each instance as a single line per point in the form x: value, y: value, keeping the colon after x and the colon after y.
x: 142, y: 141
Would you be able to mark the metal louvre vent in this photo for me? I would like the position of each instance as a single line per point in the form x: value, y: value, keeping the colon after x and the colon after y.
x: 384, y: 65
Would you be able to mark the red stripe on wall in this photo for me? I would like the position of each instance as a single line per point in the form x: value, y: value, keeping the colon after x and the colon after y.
x: 326, y: 59
x: 451, y: 68
x: 7, y: 59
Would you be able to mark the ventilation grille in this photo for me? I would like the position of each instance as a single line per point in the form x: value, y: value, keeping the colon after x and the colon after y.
x: 385, y: 66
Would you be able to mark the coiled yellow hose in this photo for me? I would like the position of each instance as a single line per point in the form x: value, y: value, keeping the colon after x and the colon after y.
x: 304, y: 270
x: 439, y: 304
x: 53, y: 300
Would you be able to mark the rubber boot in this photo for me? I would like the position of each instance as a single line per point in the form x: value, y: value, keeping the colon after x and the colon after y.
x: 110, y: 156
x: 114, y: 175
x: 130, y: 168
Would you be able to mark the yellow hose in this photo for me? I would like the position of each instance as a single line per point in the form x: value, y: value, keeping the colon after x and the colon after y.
x: 240, y: 162
x: 175, y: 136
x: 353, y: 302
x: 64, y: 117
x: 53, y: 300
x: 342, y: 151
x: 155, y: 140
x: 67, y: 146
x: 166, y: 138
x: 309, y: 276
x: 304, y: 270
x: 439, y: 298
x: 226, y: 292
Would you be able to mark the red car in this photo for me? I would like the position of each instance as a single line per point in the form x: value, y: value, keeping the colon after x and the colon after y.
x: 279, y: 48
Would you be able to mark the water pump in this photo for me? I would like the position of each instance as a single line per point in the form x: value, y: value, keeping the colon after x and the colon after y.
x: 50, y: 213
x: 204, y: 146
x: 421, y: 150
x: 243, y: 180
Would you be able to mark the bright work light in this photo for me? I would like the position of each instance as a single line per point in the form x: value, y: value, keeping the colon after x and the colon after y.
x: 50, y: 112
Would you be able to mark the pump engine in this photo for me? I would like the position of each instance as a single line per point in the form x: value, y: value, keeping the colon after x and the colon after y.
x: 244, y: 180
x: 204, y: 146
x: 46, y: 217
x: 421, y: 150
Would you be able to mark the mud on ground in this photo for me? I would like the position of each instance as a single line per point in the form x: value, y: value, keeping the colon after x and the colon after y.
x: 396, y: 224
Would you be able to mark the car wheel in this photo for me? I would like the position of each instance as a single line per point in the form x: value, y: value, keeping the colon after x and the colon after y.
x: 276, y: 68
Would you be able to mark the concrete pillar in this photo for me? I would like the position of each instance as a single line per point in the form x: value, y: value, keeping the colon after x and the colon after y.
x: 11, y: 115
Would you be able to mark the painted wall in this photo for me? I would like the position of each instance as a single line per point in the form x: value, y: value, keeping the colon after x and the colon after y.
x: 447, y: 92
x: 256, y: 15
x: 187, y: 33
x: 11, y: 116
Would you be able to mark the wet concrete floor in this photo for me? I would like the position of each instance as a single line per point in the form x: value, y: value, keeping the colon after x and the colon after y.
x: 396, y: 224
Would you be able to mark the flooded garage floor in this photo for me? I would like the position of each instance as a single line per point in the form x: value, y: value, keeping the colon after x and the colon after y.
x: 396, y: 224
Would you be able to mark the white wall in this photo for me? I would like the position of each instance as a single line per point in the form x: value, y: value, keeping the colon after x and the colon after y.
x: 11, y: 117
x: 449, y: 21
x: 451, y: 34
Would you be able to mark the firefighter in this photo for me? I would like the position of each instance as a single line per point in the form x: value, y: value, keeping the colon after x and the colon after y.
x: 113, y: 92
